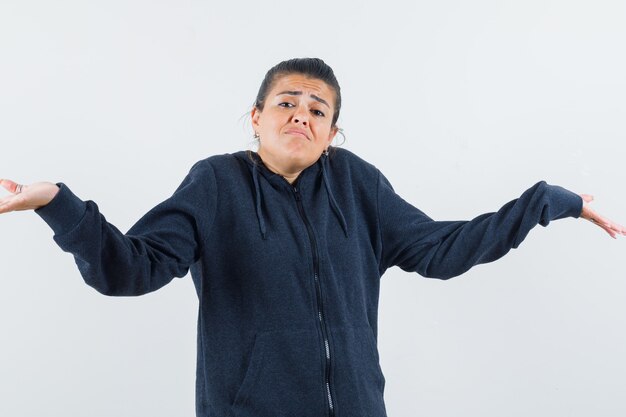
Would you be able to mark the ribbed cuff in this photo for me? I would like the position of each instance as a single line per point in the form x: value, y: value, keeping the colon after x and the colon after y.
x: 64, y: 211
x: 568, y: 204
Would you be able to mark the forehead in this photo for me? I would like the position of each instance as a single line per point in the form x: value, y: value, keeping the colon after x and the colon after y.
x: 299, y: 82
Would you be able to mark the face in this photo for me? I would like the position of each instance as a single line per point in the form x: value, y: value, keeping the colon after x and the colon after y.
x: 295, y: 124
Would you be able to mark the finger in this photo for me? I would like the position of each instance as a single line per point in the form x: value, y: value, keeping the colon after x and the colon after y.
x: 587, y: 198
x: 603, y: 226
x: 10, y: 204
x: 619, y: 228
x: 12, y: 186
x: 5, y: 183
x: 609, y: 226
x: 610, y: 231
x: 5, y: 199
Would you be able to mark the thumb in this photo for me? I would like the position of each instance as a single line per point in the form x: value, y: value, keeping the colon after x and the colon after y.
x: 587, y: 198
x: 12, y: 186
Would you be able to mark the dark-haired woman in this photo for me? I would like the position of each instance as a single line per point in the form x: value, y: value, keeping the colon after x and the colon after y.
x: 286, y: 247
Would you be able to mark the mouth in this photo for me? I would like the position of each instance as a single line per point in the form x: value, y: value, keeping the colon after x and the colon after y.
x: 297, y: 133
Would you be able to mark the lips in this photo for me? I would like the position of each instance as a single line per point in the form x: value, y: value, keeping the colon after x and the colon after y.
x: 297, y: 132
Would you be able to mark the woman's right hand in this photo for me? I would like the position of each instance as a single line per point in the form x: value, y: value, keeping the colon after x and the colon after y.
x: 26, y: 197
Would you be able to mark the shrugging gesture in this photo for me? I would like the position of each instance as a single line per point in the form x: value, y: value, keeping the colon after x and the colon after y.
x: 36, y: 195
x: 286, y: 247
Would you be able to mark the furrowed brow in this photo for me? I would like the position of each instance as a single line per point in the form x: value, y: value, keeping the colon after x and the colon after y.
x: 321, y: 100
x: 299, y: 93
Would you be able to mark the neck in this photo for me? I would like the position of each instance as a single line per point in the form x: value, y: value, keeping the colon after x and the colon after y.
x: 289, y: 174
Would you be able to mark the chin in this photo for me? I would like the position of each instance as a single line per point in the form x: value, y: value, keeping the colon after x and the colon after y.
x: 297, y: 151
x: 301, y: 158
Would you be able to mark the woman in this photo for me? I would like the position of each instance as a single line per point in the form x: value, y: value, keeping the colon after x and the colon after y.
x: 286, y: 247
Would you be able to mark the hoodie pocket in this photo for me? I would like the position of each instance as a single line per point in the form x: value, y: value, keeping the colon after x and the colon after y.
x: 358, y: 380
x: 284, y: 376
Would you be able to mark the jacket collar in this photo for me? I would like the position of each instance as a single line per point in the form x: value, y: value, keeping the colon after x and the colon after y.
x: 259, y: 169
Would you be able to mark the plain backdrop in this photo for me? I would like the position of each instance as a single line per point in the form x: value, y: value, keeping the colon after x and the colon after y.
x: 462, y: 105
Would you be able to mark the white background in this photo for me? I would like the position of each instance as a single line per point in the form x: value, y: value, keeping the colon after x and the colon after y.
x: 463, y: 106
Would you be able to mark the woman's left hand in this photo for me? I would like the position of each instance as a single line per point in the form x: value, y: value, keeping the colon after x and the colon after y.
x: 590, y: 214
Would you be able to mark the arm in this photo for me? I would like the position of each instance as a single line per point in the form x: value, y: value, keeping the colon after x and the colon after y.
x: 158, y: 247
x: 444, y: 249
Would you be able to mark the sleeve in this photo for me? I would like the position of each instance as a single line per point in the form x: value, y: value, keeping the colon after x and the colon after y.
x: 161, y: 245
x: 445, y: 249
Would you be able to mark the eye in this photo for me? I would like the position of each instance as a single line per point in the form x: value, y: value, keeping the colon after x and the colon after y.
x: 285, y: 104
x: 318, y: 113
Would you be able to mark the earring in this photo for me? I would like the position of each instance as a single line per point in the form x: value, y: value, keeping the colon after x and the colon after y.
x: 325, y: 152
x: 256, y: 135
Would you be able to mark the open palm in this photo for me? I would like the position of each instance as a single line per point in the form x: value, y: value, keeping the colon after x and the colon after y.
x: 26, y: 197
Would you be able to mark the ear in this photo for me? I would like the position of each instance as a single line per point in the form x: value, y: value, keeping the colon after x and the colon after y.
x: 333, y: 132
x: 254, y: 115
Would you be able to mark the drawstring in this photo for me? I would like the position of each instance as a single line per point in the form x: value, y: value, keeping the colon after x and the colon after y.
x: 259, y: 211
x: 331, y: 197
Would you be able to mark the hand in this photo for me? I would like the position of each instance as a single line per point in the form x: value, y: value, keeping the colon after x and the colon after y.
x: 26, y: 197
x: 588, y: 213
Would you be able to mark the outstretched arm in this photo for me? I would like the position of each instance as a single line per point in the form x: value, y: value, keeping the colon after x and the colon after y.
x: 158, y: 247
x: 444, y: 249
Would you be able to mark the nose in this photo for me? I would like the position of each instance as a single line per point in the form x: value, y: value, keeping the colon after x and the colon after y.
x: 301, y: 115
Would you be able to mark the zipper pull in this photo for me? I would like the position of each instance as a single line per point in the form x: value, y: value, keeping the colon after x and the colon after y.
x: 297, y: 193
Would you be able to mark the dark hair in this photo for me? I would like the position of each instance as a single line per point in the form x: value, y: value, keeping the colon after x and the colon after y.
x: 311, y: 67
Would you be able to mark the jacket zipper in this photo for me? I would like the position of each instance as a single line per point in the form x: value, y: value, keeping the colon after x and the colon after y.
x: 320, y: 307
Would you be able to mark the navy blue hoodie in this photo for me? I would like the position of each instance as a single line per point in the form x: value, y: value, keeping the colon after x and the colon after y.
x: 288, y: 276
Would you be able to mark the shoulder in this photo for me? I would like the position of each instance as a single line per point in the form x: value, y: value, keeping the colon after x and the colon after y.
x: 348, y: 163
x: 211, y: 171
x: 216, y: 161
x: 351, y: 174
x: 223, y: 163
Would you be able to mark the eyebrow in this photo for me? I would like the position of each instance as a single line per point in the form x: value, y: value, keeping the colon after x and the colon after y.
x: 299, y: 93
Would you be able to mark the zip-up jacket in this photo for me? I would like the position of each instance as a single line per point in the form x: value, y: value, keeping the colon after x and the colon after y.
x: 288, y: 275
